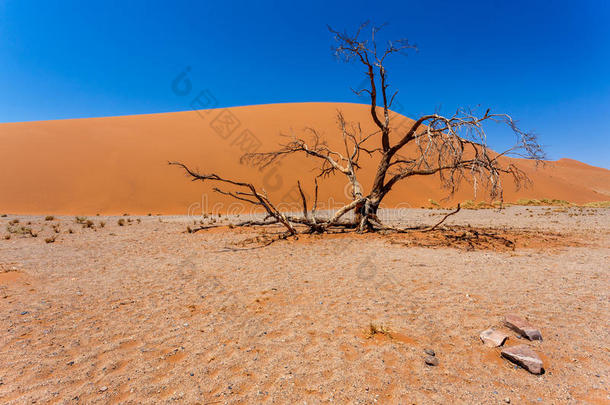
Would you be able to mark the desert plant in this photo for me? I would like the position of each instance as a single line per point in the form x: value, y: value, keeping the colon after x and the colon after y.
x: 50, y: 239
x: 49, y: 218
x: 121, y: 222
x: 373, y: 330
x: 102, y: 224
x: 434, y: 203
x: 21, y: 230
x: 451, y: 147
x: 598, y: 204
x: 80, y: 220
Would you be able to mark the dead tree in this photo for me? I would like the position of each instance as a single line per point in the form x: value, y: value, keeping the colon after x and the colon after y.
x: 451, y: 147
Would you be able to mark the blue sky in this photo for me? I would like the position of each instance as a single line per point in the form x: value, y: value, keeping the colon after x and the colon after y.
x: 545, y: 63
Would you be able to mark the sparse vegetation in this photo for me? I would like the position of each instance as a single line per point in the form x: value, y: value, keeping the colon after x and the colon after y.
x: 102, y: 224
x: 20, y: 230
x: 377, y: 330
x: 434, y: 203
x: 49, y: 218
x: 598, y: 204
x: 50, y: 239
x: 544, y: 201
x: 4, y: 215
x: 80, y: 220
x: 121, y: 222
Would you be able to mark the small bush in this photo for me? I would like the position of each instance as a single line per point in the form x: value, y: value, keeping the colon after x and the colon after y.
x: 13, y: 222
x: 21, y: 230
x: 49, y: 218
x: 4, y: 215
x: 434, y: 203
x: 70, y: 230
x: 7, y: 236
x: 121, y: 222
x: 377, y: 330
x: 102, y: 224
x: 80, y: 220
x: 598, y: 204
x: 50, y: 240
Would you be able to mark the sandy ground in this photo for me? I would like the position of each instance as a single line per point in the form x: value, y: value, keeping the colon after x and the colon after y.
x: 145, y: 313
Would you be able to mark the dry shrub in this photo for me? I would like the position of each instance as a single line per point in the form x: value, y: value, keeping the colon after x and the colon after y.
x: 121, y: 222
x: 377, y: 330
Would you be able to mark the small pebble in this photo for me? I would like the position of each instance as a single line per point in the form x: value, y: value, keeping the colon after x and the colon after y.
x: 431, y: 361
x: 507, y: 400
x: 103, y: 389
x: 429, y: 352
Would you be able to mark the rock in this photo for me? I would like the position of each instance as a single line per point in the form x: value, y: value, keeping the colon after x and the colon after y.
x: 522, y: 327
x: 103, y: 389
x: 431, y: 361
x: 525, y: 357
x: 429, y: 352
x: 493, y: 338
x: 507, y: 400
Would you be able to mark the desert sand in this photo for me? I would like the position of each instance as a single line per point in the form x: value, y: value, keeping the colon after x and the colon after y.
x: 146, y: 313
x: 119, y: 165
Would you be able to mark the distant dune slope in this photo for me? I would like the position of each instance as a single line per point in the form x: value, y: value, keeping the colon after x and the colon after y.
x: 119, y: 165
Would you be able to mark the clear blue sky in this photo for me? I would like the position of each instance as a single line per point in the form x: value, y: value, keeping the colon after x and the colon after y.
x: 545, y: 63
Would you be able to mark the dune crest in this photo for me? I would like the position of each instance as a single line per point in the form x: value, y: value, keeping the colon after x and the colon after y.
x: 118, y: 165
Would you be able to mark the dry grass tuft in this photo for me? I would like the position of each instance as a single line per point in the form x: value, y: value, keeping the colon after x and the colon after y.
x: 377, y: 330
x: 121, y: 222
x: 20, y: 230
x: 598, y: 204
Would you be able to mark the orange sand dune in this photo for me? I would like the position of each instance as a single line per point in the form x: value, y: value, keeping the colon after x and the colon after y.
x: 119, y: 165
